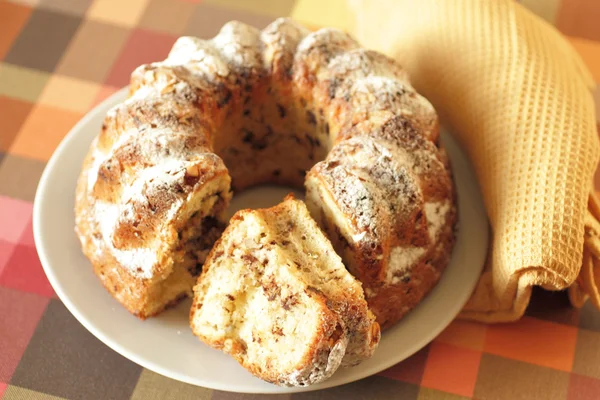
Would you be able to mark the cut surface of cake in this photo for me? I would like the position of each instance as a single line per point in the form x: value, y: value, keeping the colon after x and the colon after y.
x: 274, y: 294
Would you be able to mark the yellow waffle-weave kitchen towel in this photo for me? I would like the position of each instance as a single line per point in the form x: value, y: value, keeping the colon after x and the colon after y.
x: 518, y: 98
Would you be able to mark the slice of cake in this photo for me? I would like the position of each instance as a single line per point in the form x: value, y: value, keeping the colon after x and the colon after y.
x: 274, y: 294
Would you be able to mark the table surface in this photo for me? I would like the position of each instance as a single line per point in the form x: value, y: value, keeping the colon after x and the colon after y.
x: 59, y: 58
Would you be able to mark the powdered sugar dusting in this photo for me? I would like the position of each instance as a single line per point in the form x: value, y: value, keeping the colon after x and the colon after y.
x: 330, y: 36
x: 140, y: 261
x: 162, y: 145
x: 390, y: 168
x: 380, y: 93
x: 371, y: 151
x: 435, y: 213
x: 377, y: 85
x: 98, y: 157
x: 358, y: 196
x: 360, y: 63
x: 152, y: 146
x: 401, y: 262
x: 198, y: 56
x: 281, y: 39
x: 359, y: 236
x: 157, y: 177
x: 239, y: 44
x: 167, y: 171
x: 106, y: 215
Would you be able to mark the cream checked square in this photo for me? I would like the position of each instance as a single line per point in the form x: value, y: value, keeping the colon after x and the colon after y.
x: 69, y: 93
x: 118, y: 12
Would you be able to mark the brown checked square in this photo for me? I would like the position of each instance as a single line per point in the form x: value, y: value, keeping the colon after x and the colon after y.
x: 588, y: 318
x: 587, y: 354
x: 19, y: 177
x: 208, y: 20
x: 75, y: 7
x: 500, y: 379
x: 167, y: 16
x: 57, y: 361
x: 374, y: 387
x: 280, y: 8
x: 93, y: 51
x: 218, y: 395
x: 154, y: 386
x: 432, y: 394
x: 43, y: 40
x: 20, y: 315
x: 547, y: 9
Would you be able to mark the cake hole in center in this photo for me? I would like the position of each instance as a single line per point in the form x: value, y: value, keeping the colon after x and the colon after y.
x: 262, y: 196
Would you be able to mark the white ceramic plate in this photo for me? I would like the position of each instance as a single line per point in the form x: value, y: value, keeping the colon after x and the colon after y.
x: 165, y: 344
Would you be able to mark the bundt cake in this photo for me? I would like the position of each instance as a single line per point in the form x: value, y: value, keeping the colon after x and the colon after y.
x: 250, y: 107
x: 274, y: 294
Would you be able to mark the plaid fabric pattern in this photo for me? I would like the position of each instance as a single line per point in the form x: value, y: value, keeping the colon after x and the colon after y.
x: 59, y: 58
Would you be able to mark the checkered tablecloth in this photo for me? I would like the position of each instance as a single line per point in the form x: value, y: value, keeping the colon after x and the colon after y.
x: 59, y: 58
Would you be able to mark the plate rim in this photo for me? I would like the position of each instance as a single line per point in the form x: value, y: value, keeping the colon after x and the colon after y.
x: 41, y: 194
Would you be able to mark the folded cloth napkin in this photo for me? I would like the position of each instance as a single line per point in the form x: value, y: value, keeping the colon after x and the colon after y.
x: 517, y: 97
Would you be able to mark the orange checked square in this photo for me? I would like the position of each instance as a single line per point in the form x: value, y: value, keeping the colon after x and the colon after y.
x: 43, y: 130
x: 13, y: 114
x: 579, y: 18
x: 12, y: 19
x: 590, y: 53
x: 451, y: 369
x: 534, y: 341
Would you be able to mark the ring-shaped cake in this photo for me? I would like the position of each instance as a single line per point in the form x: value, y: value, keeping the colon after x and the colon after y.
x: 285, y: 106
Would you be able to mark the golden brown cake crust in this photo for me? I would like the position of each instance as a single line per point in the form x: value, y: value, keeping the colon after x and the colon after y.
x: 250, y: 107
